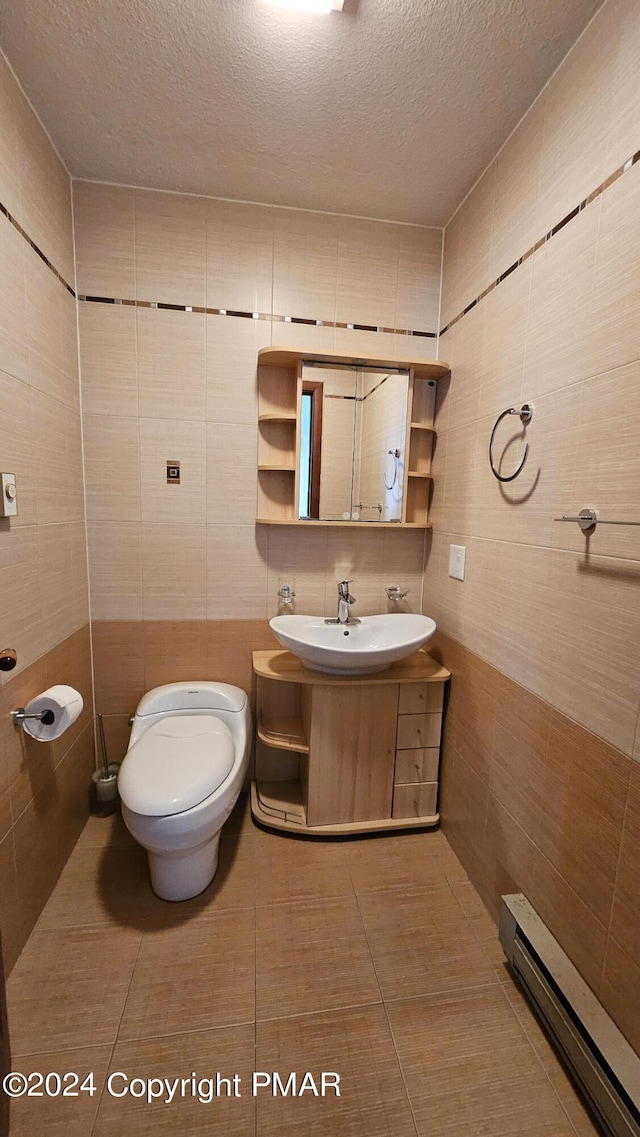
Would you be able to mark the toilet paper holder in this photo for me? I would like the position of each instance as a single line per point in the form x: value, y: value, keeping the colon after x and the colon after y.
x: 20, y: 715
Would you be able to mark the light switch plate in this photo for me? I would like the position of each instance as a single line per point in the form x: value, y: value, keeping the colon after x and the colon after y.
x: 457, y: 558
x: 9, y: 498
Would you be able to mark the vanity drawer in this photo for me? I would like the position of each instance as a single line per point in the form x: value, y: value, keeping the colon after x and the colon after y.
x: 416, y: 698
x: 418, y: 731
x: 419, y: 765
x: 417, y: 799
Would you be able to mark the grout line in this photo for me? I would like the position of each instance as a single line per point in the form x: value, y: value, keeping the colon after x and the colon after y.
x: 385, y: 1011
x: 573, y: 213
x: 504, y: 988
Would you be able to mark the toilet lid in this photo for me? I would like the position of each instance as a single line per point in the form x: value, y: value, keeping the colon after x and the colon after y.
x: 177, y: 763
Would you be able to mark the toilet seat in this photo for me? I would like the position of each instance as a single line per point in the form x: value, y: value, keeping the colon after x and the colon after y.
x: 175, y: 764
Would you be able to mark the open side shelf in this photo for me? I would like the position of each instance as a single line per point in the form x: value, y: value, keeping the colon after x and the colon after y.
x: 283, y: 733
x: 279, y: 386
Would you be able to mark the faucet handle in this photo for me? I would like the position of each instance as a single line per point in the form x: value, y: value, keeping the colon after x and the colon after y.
x: 343, y: 588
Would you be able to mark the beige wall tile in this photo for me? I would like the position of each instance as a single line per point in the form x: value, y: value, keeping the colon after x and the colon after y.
x: 585, y: 792
x: 577, y: 117
x: 231, y: 473
x: 14, y: 337
x: 112, y: 467
x: 45, y: 191
x: 474, y: 221
x: 104, y: 223
x: 559, y: 313
x: 308, y: 336
x: 506, y: 316
x: 305, y: 264
x: 619, y: 991
x: 115, y: 570
x: 625, y: 918
x: 301, y: 554
x: 420, y: 257
x: 119, y: 665
x: 464, y: 352
x: 614, y: 337
x: 49, y: 355
x: 62, y: 580
x: 232, y: 351
x: 239, y: 256
x: 236, y: 571
x: 622, y: 138
x: 108, y: 359
x: 21, y: 607
x: 516, y: 192
x: 607, y: 468
x: 174, y: 575
x: 367, y: 277
x: 359, y: 559
x: 451, y: 304
x: 57, y: 458
x: 17, y: 455
x: 163, y: 441
x: 9, y: 187
x: 170, y: 247
x: 581, y: 934
x: 171, y: 364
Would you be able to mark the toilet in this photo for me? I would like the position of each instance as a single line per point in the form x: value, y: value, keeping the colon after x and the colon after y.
x: 180, y: 778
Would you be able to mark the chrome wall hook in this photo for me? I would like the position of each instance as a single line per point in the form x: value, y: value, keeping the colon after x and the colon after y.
x: 525, y: 414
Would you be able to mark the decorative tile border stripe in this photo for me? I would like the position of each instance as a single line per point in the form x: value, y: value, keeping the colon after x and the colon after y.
x: 255, y: 316
x: 23, y: 233
x: 547, y: 237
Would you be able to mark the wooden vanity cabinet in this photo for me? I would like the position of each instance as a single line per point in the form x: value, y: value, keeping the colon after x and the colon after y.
x: 347, y: 754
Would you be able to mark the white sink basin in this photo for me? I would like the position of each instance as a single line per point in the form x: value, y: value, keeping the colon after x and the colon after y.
x: 362, y: 648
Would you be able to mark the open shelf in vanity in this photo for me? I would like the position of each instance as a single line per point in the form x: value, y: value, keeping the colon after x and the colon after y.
x: 347, y: 754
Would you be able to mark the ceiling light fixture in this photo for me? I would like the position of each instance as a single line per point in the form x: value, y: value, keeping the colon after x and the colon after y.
x: 322, y: 6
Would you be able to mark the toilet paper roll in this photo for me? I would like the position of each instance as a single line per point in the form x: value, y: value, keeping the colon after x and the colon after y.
x: 64, y: 703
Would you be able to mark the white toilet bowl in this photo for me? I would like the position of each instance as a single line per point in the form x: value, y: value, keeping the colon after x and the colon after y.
x: 180, y: 778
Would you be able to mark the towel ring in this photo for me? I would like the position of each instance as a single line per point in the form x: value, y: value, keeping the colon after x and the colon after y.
x: 525, y: 414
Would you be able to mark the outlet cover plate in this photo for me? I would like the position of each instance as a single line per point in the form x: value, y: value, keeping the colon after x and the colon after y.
x: 457, y: 558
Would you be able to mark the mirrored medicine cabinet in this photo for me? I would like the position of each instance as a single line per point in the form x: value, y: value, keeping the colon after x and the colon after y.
x: 344, y: 441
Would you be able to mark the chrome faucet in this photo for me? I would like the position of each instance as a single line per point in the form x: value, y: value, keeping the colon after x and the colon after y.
x: 344, y: 602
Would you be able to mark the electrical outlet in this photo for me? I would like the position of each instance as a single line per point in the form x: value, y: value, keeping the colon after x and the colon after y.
x: 457, y: 558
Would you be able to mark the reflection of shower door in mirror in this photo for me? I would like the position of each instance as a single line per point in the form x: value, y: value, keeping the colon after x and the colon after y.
x: 353, y: 431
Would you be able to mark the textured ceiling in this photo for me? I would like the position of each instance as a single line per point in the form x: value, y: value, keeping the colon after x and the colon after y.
x: 389, y: 109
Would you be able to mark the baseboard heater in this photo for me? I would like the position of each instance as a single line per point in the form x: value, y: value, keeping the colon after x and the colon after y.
x: 605, y: 1066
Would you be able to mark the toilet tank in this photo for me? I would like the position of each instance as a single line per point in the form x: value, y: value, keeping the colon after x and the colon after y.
x: 205, y: 696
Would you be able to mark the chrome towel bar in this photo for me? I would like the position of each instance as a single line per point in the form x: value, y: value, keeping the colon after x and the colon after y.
x: 587, y: 519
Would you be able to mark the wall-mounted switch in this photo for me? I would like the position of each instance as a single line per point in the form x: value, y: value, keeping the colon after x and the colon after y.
x: 9, y: 498
x: 457, y: 557
x: 173, y: 472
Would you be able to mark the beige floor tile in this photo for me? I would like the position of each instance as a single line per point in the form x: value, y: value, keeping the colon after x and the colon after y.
x: 193, y: 976
x: 61, y: 1116
x: 469, y: 1068
x: 290, y: 869
x: 564, y: 1088
x: 357, y: 1045
x: 102, y: 832
x: 227, y: 1051
x: 68, y: 988
x: 312, y: 957
x: 421, y: 942
x: 409, y: 859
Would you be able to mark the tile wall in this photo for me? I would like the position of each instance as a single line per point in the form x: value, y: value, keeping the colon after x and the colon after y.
x: 161, y: 385
x: 44, y: 609
x: 542, y: 761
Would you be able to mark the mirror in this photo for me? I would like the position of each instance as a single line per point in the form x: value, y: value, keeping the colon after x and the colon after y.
x: 353, y: 437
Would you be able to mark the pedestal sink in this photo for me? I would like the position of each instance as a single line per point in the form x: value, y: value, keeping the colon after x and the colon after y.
x: 362, y: 647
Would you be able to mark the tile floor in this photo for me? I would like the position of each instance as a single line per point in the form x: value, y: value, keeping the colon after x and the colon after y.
x: 373, y: 958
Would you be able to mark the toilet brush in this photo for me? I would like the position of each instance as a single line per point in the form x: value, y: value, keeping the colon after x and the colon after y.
x: 104, y: 780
